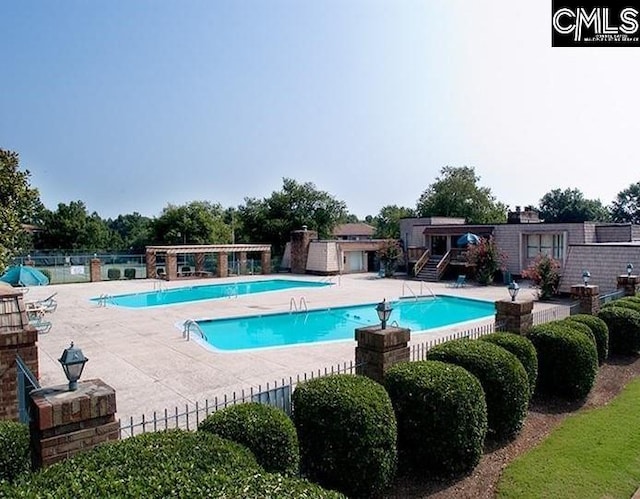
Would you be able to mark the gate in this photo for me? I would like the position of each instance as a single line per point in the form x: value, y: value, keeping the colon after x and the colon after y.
x: 26, y: 383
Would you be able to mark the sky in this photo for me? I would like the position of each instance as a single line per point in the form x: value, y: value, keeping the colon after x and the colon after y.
x: 129, y: 105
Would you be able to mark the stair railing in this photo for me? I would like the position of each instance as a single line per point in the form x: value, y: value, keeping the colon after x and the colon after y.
x: 422, y: 261
x: 442, y: 264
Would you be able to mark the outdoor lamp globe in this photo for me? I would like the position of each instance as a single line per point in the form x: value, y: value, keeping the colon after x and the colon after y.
x: 586, y: 275
x: 514, y: 288
x: 384, y: 312
x: 72, y: 361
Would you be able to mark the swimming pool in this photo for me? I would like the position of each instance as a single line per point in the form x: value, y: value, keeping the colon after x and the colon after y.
x: 207, y: 292
x: 314, y: 326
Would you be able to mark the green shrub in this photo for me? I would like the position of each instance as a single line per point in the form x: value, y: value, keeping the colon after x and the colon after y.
x: 567, y: 360
x: 129, y: 273
x: 523, y: 349
x: 46, y: 272
x: 15, y: 458
x: 624, y: 329
x: 113, y: 274
x: 264, y: 430
x: 442, y: 416
x: 347, y: 432
x: 502, y: 377
x: 579, y: 326
x: 624, y: 303
x: 600, y: 332
x: 174, y: 463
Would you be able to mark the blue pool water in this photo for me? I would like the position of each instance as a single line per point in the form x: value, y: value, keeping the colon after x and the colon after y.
x: 208, y: 292
x: 243, y: 333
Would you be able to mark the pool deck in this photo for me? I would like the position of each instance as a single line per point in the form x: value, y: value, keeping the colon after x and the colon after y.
x: 142, y: 354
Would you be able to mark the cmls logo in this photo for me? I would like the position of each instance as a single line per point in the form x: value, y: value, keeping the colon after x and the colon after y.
x: 612, y: 23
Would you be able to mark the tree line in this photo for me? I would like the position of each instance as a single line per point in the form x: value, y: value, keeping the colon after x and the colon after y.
x: 27, y: 225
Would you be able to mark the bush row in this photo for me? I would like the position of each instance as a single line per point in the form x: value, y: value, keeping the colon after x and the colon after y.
x: 172, y: 463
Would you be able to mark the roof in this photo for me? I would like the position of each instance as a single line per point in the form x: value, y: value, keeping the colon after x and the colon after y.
x: 354, y: 229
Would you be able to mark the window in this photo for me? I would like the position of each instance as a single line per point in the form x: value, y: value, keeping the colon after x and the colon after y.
x: 547, y: 244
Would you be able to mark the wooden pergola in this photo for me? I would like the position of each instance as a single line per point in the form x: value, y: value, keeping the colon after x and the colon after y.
x: 199, y: 251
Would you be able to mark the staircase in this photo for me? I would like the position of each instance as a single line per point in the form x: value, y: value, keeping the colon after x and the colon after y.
x: 429, y: 272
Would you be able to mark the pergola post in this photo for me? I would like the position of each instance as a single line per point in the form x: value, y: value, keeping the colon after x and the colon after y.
x: 172, y: 266
x: 265, y: 261
x: 223, y: 264
x: 199, y: 263
x: 151, y: 263
x: 243, y: 262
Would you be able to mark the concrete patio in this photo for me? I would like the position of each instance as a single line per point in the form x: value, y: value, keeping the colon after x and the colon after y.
x: 143, y: 355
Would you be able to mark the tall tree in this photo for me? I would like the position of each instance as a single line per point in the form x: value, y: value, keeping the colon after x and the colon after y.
x: 272, y: 219
x: 19, y: 205
x: 199, y: 222
x: 456, y: 193
x: 570, y: 205
x: 135, y: 231
x: 626, y: 206
x: 72, y: 228
x: 387, y: 222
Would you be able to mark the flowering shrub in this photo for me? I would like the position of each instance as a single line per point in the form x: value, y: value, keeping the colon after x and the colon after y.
x: 545, y: 275
x: 487, y: 258
x: 389, y: 254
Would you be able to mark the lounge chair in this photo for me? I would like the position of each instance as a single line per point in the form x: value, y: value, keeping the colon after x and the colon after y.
x: 36, y: 320
x: 460, y: 282
x: 48, y: 304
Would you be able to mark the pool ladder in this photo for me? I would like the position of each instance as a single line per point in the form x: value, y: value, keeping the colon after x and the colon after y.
x: 105, y: 299
x: 159, y: 286
x: 190, y: 324
x: 301, y: 306
x: 415, y: 296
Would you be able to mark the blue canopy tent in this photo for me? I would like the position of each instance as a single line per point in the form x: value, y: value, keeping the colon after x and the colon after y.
x: 468, y: 238
x: 24, y: 276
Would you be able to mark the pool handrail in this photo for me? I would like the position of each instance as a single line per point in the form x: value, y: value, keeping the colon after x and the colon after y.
x: 186, y: 332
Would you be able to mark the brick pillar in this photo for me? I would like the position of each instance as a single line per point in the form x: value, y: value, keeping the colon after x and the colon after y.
x: 589, y: 297
x: 379, y: 349
x: 172, y: 266
x: 265, y: 262
x: 514, y: 316
x: 151, y: 264
x: 199, y: 263
x: 300, y: 241
x: 629, y: 284
x: 223, y: 264
x: 243, y: 262
x: 17, y: 337
x: 65, y: 423
x: 95, y: 274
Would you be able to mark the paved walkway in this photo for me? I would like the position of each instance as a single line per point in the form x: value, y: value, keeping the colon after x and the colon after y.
x: 142, y: 353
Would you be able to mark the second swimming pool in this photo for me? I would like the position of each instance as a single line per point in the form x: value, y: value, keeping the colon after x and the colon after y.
x: 294, y: 328
x: 189, y: 294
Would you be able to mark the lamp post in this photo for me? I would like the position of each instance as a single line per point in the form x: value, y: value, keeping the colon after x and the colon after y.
x: 629, y: 269
x: 384, y: 312
x: 586, y: 275
x: 73, y: 361
x: 513, y: 290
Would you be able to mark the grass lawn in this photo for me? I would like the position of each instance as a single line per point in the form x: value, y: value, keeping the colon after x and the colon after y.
x: 595, y: 453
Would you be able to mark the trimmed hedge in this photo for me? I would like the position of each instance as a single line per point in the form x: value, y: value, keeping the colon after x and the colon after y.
x: 567, y: 360
x: 173, y: 463
x: 522, y: 348
x: 347, y: 433
x: 579, y: 326
x: 442, y: 416
x: 624, y: 303
x: 113, y: 274
x: 624, y: 329
x: 501, y: 375
x: 15, y: 458
x: 600, y: 333
x: 265, y: 430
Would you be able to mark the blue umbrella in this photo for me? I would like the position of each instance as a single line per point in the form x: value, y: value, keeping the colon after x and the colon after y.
x: 468, y: 238
x: 24, y: 275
